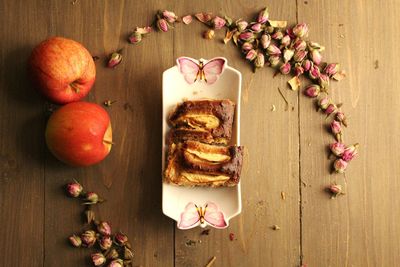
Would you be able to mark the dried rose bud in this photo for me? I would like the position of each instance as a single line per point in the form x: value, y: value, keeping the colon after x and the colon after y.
x: 251, y: 55
x: 105, y: 242
x: 209, y: 34
x: 298, y: 69
x: 299, y: 55
x: 187, y: 19
x: 323, y: 103
x: 135, y: 37
x: 274, y: 61
x: 336, y: 129
x: 337, y: 148
x: 241, y: 25
x: 74, y: 189
x: 88, y: 238
x: 331, y: 69
x: 307, y: 64
x: 114, y: 60
x: 104, y: 228
x: 289, y: 31
x: 300, y: 30
x: 330, y: 109
x: 350, y: 152
x: 75, y: 240
x: 91, y: 198
x: 162, y: 25
x: 335, y: 190
x: 315, y: 45
x: 285, y: 68
x: 277, y: 35
x: 111, y: 254
x: 287, y: 55
x: 269, y: 29
x: 340, y: 75
x: 265, y: 40
x: 259, y: 61
x: 203, y: 17
x: 144, y: 30
x: 98, y: 259
x: 169, y: 16
x: 229, y: 21
x: 273, y: 50
x: 128, y: 254
x: 247, y: 46
x: 285, y: 41
x: 263, y: 16
x: 323, y: 80
x: 218, y: 23
x: 247, y: 36
x: 340, y: 165
x: 257, y: 27
x: 341, y: 118
x: 312, y: 90
x: 120, y: 239
x: 314, y: 72
x: 299, y: 45
x: 315, y: 56
x: 116, y: 263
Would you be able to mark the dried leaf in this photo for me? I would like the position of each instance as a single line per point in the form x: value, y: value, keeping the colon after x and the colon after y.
x: 229, y: 35
x: 144, y: 30
x: 187, y: 19
x: 278, y: 23
x: 235, y: 37
x: 228, y: 20
x: 340, y: 75
x: 294, y: 83
x: 204, y: 17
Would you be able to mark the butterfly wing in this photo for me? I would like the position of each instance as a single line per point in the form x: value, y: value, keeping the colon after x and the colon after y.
x: 190, y: 217
x: 213, y: 68
x: 189, y: 68
x: 214, y: 216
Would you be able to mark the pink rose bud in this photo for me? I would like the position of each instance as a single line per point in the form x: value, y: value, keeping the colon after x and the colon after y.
x: 75, y: 240
x: 307, y: 64
x: 285, y: 68
x: 187, y: 19
x: 331, y: 69
x: 323, y: 103
x: 120, y: 239
x: 98, y: 259
x: 314, y: 72
x: 335, y: 190
x: 169, y: 16
x: 340, y: 165
x: 116, y: 263
x: 241, y: 25
x: 299, y: 45
x: 336, y: 127
x: 350, y: 152
x: 263, y: 16
x: 298, y: 69
x: 218, y: 23
x: 287, y: 54
x: 330, y: 109
x: 323, y: 80
x: 274, y: 61
x: 277, y: 35
x: 251, y: 55
x: 135, y: 37
x: 88, y: 238
x: 105, y: 242
x: 247, y: 46
x: 285, y: 41
x: 315, y: 56
x: 256, y: 27
x: 341, y: 118
x: 104, y: 228
x: 312, y: 90
x: 162, y: 25
x: 265, y: 40
x: 300, y: 30
x: 299, y: 55
x: 74, y: 189
x: 114, y: 60
x: 337, y: 148
x: 289, y: 31
x: 273, y: 50
x: 260, y: 60
x: 91, y: 198
x: 246, y: 36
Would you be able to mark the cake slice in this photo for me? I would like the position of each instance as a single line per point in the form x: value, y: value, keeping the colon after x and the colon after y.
x: 192, y: 163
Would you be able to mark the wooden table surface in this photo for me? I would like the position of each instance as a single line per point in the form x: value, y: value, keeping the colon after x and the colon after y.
x: 286, y: 149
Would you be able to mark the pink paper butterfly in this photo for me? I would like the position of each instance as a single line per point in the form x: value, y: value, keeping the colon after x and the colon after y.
x: 194, y: 215
x: 194, y: 70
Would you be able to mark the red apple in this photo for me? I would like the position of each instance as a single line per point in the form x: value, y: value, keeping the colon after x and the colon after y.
x: 62, y: 69
x: 79, y: 134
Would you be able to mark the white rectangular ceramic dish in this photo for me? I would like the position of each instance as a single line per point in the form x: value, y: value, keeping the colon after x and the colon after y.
x: 178, y: 199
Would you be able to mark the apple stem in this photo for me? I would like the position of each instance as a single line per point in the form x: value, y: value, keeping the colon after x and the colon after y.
x: 108, y: 142
x: 74, y: 87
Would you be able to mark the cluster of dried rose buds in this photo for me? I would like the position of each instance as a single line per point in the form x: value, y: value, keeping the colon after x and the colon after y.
x: 344, y: 154
x: 165, y: 20
x: 113, y: 249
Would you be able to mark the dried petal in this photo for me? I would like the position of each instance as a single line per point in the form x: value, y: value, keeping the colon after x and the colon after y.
x: 236, y: 37
x: 162, y: 25
x: 228, y: 20
x: 128, y: 254
x: 294, y: 83
x: 228, y: 36
x: 285, y: 68
x: 340, y: 165
x: 300, y: 30
x: 203, y: 17
x: 265, y: 40
x: 312, y: 90
x: 135, y: 37
x: 340, y: 75
x: 317, y: 46
x: 218, y: 23
x: 278, y: 23
x: 187, y: 19
x: 287, y: 55
x: 263, y: 16
x: 144, y: 30
x: 337, y: 148
x: 90, y: 216
x: 209, y: 34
